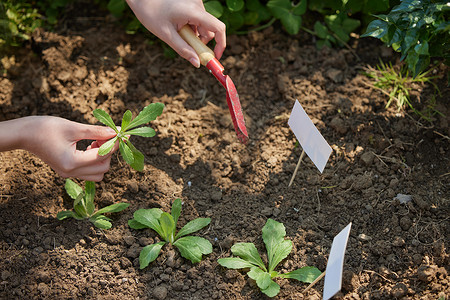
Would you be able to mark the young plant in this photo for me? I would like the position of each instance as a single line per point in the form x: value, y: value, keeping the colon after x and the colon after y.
x: 190, y: 247
x: 84, y: 207
x: 278, y: 248
x: 131, y: 155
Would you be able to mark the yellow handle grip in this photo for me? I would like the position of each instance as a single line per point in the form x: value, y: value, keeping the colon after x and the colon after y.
x: 204, y: 52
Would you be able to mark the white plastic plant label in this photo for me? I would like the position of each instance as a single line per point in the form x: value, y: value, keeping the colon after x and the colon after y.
x: 309, y: 137
x: 335, y: 265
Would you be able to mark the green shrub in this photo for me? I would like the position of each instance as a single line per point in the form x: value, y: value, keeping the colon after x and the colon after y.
x: 418, y: 29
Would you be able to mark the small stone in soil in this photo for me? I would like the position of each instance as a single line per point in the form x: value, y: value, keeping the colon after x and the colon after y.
x: 399, y: 290
x: 160, y: 292
x: 426, y: 273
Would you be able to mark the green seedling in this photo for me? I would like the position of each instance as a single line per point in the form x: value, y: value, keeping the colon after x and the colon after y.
x: 130, y: 154
x: 84, y: 207
x: 278, y: 248
x: 190, y: 247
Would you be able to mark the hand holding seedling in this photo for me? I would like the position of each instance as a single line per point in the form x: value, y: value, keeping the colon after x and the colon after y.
x: 164, y: 18
x: 54, y: 140
x: 278, y: 248
x: 191, y: 247
x: 84, y: 207
x: 128, y: 128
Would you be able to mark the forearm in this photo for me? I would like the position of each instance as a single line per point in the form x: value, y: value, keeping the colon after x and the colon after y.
x: 14, y: 133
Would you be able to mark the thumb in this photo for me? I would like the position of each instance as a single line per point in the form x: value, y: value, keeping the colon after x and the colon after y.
x: 95, y: 132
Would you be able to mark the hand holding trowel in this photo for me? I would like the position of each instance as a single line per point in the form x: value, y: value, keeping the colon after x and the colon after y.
x: 208, y: 59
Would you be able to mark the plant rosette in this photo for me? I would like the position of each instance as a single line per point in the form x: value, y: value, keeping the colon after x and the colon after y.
x: 278, y: 248
x: 190, y: 247
x: 84, y: 207
x: 130, y: 154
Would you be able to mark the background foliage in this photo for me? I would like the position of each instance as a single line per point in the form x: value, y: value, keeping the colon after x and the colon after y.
x: 419, y: 29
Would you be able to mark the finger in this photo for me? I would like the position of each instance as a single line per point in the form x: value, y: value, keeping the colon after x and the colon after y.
x: 96, y: 170
x: 88, y: 158
x: 94, y: 132
x: 205, y: 35
x: 206, y: 22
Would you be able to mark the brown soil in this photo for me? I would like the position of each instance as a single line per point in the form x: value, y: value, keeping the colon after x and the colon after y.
x: 395, y: 250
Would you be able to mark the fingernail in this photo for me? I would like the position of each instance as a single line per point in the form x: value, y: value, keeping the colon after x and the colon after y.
x: 110, y: 130
x: 194, y: 61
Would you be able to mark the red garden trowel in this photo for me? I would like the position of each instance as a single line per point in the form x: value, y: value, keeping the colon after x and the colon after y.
x: 208, y: 59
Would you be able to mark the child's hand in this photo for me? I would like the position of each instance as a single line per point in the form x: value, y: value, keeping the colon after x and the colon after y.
x: 54, y: 140
x: 165, y: 17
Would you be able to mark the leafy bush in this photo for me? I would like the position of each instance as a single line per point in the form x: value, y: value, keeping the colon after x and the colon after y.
x: 419, y: 29
x: 18, y: 20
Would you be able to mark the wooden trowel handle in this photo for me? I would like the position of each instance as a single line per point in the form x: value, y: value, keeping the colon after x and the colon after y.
x: 204, y: 52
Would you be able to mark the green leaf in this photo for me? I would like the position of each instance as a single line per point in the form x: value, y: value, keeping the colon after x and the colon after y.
x: 149, y: 253
x: 262, y: 11
x: 422, y: 48
x: 214, y: 8
x: 116, y: 7
x: 376, y: 29
x: 103, y: 117
x: 135, y: 224
x: 193, y: 226
x: 89, y: 188
x: 321, y: 30
x: 248, y: 252
x: 203, y: 244
x: 149, y: 218
x: 273, y: 233
x: 149, y: 113
x: 236, y: 20
x: 107, y: 147
x: 138, y: 163
x: 176, y: 210
x: 282, y: 250
x: 126, y: 152
x: 300, y: 8
x: 126, y: 119
x: 234, y: 263
x: 73, y: 189
x: 189, y: 249
x: 112, y: 208
x: 142, y: 131
x: 168, y: 227
x: 305, y: 274
x: 80, y: 210
x: 101, y: 223
x: 235, y: 5
x: 89, y: 196
x: 292, y: 23
x: 279, y: 8
x: 261, y: 277
x: 66, y: 214
x: 272, y: 290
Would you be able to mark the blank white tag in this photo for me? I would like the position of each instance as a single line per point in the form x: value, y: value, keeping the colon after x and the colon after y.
x: 335, y: 265
x: 309, y: 137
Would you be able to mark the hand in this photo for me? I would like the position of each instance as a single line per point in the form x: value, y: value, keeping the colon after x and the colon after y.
x: 54, y: 141
x: 165, y: 17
